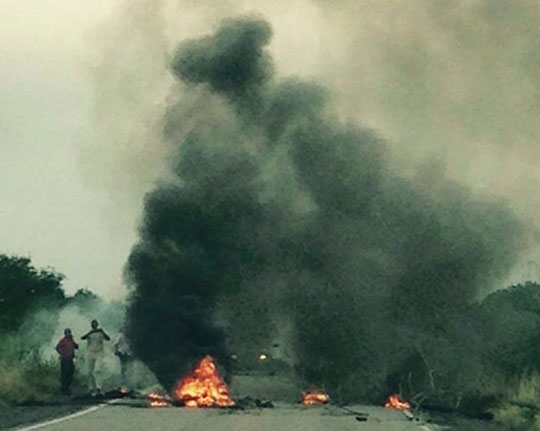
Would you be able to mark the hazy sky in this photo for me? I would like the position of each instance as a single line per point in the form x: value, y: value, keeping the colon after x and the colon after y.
x: 84, y: 84
x: 46, y: 211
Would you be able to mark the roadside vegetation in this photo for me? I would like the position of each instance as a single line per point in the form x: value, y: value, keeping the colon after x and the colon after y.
x: 33, y: 310
x: 29, y: 301
x: 30, y: 380
x: 491, y: 368
x: 520, y: 411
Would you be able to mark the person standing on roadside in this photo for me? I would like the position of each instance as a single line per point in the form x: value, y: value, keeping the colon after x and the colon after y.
x: 95, y: 338
x: 123, y: 352
x: 66, y: 349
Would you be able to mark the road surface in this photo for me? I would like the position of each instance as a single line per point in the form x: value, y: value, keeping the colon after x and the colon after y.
x: 284, y: 417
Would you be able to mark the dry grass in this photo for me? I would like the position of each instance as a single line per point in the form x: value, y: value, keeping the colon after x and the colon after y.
x: 522, y: 410
x: 528, y: 389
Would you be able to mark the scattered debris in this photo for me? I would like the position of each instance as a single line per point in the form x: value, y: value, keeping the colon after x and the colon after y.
x: 267, y: 404
x: 408, y: 414
x: 250, y: 402
x: 354, y: 412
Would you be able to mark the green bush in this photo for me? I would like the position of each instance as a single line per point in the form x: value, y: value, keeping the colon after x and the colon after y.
x: 32, y: 379
x: 513, y: 418
x: 521, y: 411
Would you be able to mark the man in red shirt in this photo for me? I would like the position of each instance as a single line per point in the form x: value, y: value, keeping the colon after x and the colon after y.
x: 66, y: 349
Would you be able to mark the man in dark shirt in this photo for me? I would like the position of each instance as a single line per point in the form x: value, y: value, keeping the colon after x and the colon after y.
x: 66, y: 349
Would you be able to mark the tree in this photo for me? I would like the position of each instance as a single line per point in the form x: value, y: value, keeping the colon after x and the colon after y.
x: 25, y: 289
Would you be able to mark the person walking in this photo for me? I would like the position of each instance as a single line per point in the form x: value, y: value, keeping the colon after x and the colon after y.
x: 66, y: 349
x: 94, y: 352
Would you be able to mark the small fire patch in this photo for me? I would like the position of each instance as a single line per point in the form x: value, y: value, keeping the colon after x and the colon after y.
x: 315, y: 397
x: 395, y: 402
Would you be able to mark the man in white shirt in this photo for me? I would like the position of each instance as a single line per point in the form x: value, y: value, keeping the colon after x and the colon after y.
x: 94, y: 351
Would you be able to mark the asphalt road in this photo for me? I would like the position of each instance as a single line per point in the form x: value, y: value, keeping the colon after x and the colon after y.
x: 127, y: 417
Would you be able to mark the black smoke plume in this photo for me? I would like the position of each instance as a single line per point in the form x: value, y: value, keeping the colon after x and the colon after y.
x: 279, y: 207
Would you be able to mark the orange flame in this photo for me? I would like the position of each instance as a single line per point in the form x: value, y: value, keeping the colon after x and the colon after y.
x: 315, y: 397
x: 158, y: 400
x: 204, y: 387
x: 397, y: 403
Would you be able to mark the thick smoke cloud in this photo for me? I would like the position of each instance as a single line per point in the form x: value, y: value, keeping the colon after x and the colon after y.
x: 276, y: 203
x: 231, y: 62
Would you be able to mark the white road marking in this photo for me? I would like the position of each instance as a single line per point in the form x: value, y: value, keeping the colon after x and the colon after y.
x: 64, y: 418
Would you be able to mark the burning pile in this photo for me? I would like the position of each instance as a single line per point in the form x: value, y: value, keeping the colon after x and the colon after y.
x: 315, y: 397
x: 397, y: 403
x: 204, y: 387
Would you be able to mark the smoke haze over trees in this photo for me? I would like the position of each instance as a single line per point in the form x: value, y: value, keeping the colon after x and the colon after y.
x: 274, y: 202
x: 34, y: 311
